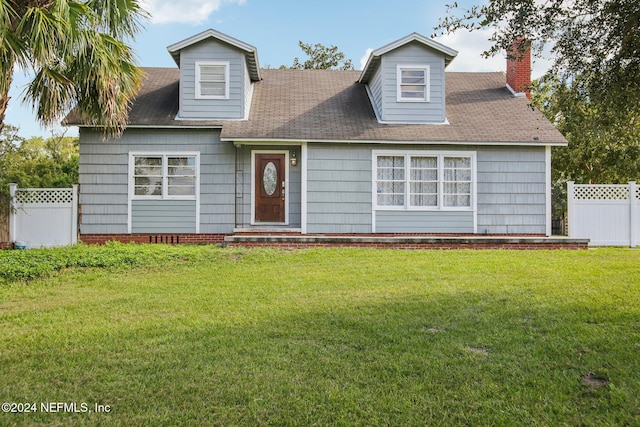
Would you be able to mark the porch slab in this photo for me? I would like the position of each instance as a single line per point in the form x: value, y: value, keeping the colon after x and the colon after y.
x: 407, y: 242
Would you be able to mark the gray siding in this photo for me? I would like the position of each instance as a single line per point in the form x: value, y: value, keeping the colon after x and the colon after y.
x: 248, y: 92
x: 424, y: 222
x: 338, y: 188
x: 244, y: 186
x: 375, y: 90
x: 511, y: 190
x: 104, y: 185
x: 212, y: 50
x: 104, y: 176
x: 511, y: 196
x: 413, y: 112
x: 163, y: 216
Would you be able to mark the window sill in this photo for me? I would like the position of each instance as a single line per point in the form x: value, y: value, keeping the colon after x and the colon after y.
x: 416, y: 209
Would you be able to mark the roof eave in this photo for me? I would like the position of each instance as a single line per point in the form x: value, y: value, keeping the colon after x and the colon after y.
x: 273, y: 140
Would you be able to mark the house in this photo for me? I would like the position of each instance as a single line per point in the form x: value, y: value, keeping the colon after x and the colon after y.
x: 219, y: 148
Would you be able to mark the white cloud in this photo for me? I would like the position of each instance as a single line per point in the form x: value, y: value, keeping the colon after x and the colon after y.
x: 365, y: 58
x: 470, y: 46
x: 185, y: 11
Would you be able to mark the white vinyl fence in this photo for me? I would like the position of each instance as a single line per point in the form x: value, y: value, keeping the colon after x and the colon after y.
x: 608, y: 215
x: 43, y: 217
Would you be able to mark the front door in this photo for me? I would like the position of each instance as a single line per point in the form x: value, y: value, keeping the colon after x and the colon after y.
x: 270, y: 187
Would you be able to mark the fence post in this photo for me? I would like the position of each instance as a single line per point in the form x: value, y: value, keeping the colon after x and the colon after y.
x: 633, y: 213
x: 74, y: 216
x: 12, y: 212
x: 570, y: 208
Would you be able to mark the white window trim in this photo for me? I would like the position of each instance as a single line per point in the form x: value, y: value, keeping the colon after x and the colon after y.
x: 165, y: 167
x: 407, y: 176
x: 427, y: 83
x: 198, y: 91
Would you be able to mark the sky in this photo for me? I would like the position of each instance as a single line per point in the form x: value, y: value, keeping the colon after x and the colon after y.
x: 274, y: 27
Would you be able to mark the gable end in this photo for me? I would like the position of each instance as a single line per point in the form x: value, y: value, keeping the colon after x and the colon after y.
x: 217, y: 73
x: 408, y: 86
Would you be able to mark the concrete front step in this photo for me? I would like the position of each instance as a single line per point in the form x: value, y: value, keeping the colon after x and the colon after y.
x: 408, y: 241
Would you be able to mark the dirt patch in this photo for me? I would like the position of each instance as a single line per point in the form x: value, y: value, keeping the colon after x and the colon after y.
x: 477, y: 350
x: 594, y: 380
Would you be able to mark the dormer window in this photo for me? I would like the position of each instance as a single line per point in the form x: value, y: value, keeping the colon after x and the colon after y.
x: 212, y: 80
x: 413, y: 83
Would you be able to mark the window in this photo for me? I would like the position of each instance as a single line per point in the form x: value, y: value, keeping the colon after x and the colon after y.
x: 457, y: 181
x: 424, y: 181
x: 164, y: 176
x: 391, y: 181
x: 413, y: 84
x: 212, y: 80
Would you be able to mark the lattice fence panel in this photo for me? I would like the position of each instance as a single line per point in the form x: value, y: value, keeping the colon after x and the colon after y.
x: 44, y: 196
x: 594, y: 192
x: 638, y: 192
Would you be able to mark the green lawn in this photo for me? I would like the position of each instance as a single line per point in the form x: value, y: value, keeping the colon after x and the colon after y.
x: 199, y: 335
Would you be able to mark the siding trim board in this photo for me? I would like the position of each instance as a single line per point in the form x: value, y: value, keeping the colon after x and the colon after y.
x: 547, y: 153
x: 304, y: 156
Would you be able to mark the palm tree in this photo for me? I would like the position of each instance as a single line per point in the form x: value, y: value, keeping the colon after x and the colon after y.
x: 78, y: 54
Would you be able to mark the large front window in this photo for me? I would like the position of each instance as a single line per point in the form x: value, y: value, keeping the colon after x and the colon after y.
x: 164, y: 176
x: 424, y: 181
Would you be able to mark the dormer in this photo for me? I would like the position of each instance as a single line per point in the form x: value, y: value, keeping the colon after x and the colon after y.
x: 406, y: 82
x: 217, y: 73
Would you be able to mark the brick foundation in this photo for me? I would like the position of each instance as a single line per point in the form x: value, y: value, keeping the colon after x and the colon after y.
x: 161, y: 238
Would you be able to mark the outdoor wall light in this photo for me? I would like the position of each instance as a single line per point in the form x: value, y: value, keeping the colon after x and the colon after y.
x: 294, y: 159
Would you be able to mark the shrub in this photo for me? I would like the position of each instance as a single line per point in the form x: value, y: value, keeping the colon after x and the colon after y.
x: 30, y: 264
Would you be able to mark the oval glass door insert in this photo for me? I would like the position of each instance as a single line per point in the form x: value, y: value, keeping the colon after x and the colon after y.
x: 270, y: 178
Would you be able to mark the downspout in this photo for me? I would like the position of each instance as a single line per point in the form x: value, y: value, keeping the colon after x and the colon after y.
x: 235, y: 205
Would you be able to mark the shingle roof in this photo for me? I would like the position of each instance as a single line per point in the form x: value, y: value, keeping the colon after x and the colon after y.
x: 327, y: 105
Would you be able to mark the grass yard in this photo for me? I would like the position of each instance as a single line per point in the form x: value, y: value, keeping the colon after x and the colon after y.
x: 200, y: 335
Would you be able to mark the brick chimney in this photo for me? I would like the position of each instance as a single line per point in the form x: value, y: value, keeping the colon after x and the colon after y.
x: 519, y: 68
